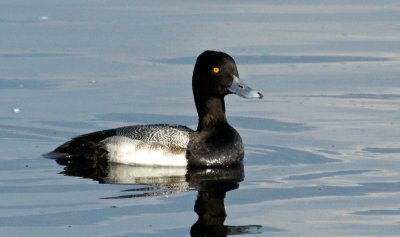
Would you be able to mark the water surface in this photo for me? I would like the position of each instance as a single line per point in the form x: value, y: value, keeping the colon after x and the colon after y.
x: 322, y: 147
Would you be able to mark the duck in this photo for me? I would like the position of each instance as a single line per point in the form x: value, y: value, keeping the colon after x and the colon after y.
x: 214, y: 143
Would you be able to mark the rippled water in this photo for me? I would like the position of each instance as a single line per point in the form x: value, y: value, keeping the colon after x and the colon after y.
x: 322, y: 147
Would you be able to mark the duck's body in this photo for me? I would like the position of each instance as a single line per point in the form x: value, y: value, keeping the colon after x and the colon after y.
x: 214, y: 143
x: 155, y: 144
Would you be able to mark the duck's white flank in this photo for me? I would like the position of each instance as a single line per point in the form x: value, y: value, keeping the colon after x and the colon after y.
x: 129, y: 151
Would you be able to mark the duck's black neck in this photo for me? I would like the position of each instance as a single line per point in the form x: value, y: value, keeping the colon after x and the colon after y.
x: 211, y: 111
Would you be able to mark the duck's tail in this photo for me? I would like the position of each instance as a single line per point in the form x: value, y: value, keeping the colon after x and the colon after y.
x: 86, y: 149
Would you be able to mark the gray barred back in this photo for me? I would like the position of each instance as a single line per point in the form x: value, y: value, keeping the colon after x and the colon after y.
x: 166, y: 134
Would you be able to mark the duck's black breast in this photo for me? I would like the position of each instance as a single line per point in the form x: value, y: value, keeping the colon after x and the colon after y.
x: 217, y: 146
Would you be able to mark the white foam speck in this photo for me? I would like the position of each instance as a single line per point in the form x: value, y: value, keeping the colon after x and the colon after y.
x: 44, y: 18
x: 16, y: 110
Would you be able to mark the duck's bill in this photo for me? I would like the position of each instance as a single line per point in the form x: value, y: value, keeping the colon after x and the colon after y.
x: 239, y: 88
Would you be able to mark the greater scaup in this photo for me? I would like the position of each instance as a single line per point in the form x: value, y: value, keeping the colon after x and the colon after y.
x: 214, y: 143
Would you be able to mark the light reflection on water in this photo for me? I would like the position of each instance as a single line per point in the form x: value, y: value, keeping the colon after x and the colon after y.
x: 279, y: 59
x: 9, y: 84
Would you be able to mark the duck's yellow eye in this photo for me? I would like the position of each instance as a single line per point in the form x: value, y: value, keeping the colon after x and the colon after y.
x: 216, y: 70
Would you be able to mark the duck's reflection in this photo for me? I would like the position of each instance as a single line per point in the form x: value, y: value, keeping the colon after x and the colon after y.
x: 212, y: 185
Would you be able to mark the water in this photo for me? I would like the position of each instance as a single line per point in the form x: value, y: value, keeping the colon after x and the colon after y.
x: 322, y: 147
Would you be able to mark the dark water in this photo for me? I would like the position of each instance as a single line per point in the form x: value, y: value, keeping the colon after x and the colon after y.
x: 322, y: 147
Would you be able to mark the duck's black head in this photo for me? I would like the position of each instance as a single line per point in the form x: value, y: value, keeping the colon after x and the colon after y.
x: 215, y: 75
